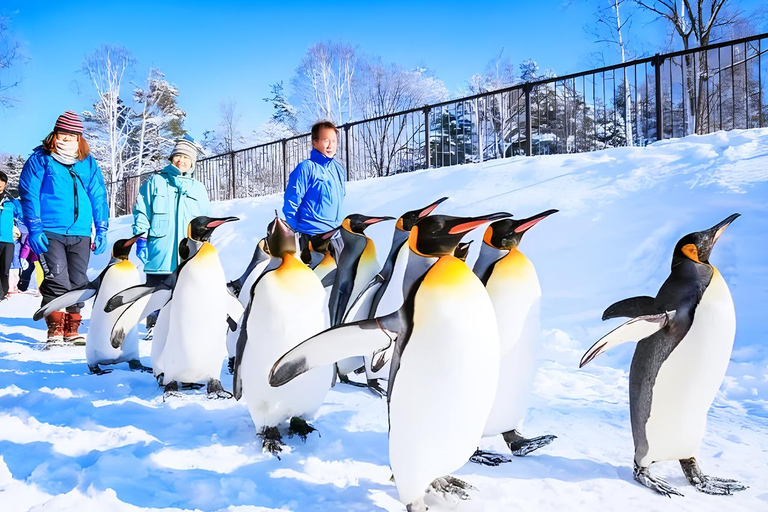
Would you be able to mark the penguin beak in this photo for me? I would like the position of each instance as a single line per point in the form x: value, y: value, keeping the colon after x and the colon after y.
x: 720, y: 227
x: 328, y: 235
x: 429, y: 209
x: 408, y: 219
x: 280, y: 238
x: 528, y: 223
x: 467, y: 224
x: 132, y: 241
x: 214, y: 223
x: 375, y: 220
x: 709, y: 237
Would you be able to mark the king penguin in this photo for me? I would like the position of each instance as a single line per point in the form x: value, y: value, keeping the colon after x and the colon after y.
x: 201, y: 309
x: 286, y: 307
x: 119, y: 275
x: 685, y: 336
x: 513, y: 285
x: 445, y: 365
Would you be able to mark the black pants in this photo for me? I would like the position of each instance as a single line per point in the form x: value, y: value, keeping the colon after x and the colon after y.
x: 6, y: 258
x: 26, y: 276
x: 64, y: 265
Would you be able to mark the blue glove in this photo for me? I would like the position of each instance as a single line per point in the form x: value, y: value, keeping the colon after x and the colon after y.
x: 141, y: 250
x: 100, y: 240
x: 37, y: 239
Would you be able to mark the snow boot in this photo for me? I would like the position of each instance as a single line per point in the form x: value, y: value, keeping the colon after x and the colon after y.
x: 55, y: 323
x: 71, y: 326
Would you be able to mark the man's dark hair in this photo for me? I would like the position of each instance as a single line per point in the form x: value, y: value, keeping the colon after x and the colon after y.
x: 3, y: 177
x: 320, y: 125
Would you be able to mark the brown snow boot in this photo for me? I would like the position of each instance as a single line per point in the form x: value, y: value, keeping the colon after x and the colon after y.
x: 55, y: 323
x: 71, y: 325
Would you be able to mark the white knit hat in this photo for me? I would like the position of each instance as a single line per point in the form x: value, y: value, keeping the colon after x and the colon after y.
x: 186, y: 146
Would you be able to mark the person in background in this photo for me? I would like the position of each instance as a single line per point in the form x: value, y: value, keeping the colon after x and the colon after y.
x: 166, y: 204
x: 316, y: 188
x: 63, y: 200
x: 10, y: 211
x: 27, y: 260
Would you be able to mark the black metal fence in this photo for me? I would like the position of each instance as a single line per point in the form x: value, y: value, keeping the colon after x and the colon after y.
x: 718, y: 87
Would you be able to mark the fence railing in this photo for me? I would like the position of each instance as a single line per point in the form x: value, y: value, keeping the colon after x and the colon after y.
x: 717, y: 87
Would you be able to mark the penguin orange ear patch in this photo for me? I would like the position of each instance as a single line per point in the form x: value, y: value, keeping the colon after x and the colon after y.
x: 691, y: 252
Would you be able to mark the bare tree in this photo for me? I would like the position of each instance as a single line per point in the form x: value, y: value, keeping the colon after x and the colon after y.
x: 10, y: 56
x: 105, y: 68
x: 324, y: 82
x: 229, y: 135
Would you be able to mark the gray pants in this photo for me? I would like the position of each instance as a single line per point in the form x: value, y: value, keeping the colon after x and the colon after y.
x: 64, y: 265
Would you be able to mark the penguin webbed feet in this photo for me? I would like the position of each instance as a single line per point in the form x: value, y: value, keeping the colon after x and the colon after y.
x: 709, y: 484
x: 271, y: 440
x: 521, y: 446
x: 135, y: 365
x: 216, y: 391
x: 231, y: 365
x: 488, y: 458
x: 170, y: 389
x: 643, y: 476
x: 451, y: 486
x: 96, y: 370
x: 299, y: 427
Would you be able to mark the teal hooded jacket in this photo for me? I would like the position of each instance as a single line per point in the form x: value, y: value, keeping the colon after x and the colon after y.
x: 10, y: 209
x: 166, y: 204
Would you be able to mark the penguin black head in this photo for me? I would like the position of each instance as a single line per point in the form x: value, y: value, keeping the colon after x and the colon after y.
x: 320, y: 243
x: 438, y: 235
x: 201, y: 228
x: 357, y: 223
x: 698, y: 246
x: 281, y: 239
x: 462, y: 250
x: 122, y: 248
x: 507, y: 233
x: 409, y: 219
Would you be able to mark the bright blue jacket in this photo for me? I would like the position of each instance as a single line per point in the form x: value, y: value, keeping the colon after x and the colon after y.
x: 67, y: 199
x: 10, y: 209
x: 313, y: 197
x: 167, y: 203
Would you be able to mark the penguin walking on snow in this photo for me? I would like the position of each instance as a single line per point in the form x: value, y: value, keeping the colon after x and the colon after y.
x: 119, y: 275
x: 286, y: 307
x: 512, y: 284
x: 445, y: 364
x: 685, y: 337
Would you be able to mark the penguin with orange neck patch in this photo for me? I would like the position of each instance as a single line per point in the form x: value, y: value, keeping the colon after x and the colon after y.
x: 685, y: 336
x: 513, y: 285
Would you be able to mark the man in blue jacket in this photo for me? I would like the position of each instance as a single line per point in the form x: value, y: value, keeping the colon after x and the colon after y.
x: 315, y: 192
x: 63, y: 198
x: 10, y: 210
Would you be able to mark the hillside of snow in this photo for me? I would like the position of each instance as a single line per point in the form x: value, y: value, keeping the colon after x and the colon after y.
x: 74, y: 441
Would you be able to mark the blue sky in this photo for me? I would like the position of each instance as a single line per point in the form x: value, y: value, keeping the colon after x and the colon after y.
x: 216, y: 50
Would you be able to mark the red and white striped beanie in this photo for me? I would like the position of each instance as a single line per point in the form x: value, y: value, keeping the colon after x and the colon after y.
x: 69, y: 122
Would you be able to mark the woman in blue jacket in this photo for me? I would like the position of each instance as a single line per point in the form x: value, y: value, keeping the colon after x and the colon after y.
x: 166, y: 204
x: 10, y: 210
x: 63, y: 198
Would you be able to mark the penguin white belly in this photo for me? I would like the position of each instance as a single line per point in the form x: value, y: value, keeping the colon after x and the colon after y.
x: 196, y: 342
x: 285, y: 311
x: 516, y: 297
x: 98, y: 349
x: 445, y: 384
x: 690, y: 377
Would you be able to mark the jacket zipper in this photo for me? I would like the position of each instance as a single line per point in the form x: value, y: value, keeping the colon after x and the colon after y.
x: 74, y: 177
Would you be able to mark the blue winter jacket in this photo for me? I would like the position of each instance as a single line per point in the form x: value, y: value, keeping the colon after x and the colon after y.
x: 67, y: 199
x: 166, y: 204
x: 313, y: 197
x: 10, y: 209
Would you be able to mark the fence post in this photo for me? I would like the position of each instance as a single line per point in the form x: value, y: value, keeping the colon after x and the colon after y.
x: 346, y: 148
x: 479, y: 131
x: 528, y: 125
x: 656, y: 63
x: 285, y: 163
x: 232, y: 160
x: 427, y: 154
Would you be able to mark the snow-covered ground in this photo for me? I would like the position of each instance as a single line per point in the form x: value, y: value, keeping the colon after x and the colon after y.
x: 74, y: 441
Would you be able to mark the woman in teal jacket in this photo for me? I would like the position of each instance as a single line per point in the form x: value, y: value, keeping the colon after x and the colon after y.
x: 166, y: 204
x: 63, y: 199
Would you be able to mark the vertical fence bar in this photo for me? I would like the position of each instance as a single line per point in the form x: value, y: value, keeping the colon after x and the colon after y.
x: 346, y: 149
x: 528, y: 128
x: 427, y: 156
x: 285, y: 163
x: 657, y: 60
x: 232, y: 187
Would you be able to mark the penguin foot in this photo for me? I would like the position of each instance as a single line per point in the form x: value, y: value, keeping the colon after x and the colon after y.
x: 488, y: 458
x: 521, y: 446
x: 94, y: 369
x: 159, y: 378
x: 300, y: 427
x: 231, y: 365
x: 271, y: 440
x: 171, y: 389
x: 709, y: 484
x: 643, y: 476
x: 376, y: 389
x: 217, y: 391
x: 451, y: 486
x: 135, y: 364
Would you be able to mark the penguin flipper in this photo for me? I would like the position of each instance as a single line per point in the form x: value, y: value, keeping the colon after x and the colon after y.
x: 365, y: 296
x: 134, y: 311
x: 633, y: 330
x: 69, y: 298
x: 361, y: 338
x: 329, y: 278
x: 632, y: 308
x: 127, y: 296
